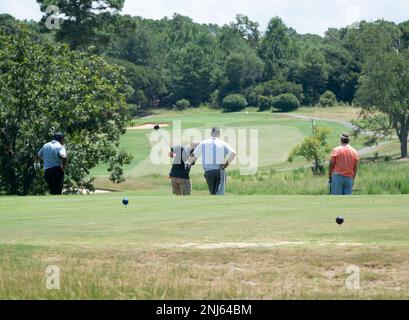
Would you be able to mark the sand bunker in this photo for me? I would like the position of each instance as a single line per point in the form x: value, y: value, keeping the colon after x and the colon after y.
x: 97, y: 191
x: 148, y: 126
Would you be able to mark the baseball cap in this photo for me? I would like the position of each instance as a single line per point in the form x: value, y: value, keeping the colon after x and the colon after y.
x: 58, y: 136
x: 345, y: 135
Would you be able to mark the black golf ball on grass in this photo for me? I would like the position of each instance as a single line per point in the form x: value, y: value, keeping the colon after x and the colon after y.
x: 340, y: 220
x: 156, y: 127
x: 125, y: 201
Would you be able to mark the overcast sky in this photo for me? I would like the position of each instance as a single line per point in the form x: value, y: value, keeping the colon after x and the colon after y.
x: 306, y: 16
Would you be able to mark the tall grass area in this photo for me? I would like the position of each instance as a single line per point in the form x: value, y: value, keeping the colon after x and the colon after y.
x: 374, y: 178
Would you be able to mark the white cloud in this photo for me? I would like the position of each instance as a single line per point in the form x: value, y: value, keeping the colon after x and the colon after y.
x: 306, y: 16
x: 21, y: 9
x: 313, y: 16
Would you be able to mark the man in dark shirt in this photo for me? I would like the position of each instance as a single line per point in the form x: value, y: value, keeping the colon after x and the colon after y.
x: 179, y: 174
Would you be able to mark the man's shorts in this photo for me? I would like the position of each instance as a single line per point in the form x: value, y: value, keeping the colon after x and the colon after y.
x: 181, y: 187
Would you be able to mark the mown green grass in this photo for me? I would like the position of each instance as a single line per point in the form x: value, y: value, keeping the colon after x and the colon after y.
x: 339, y: 113
x: 151, y: 249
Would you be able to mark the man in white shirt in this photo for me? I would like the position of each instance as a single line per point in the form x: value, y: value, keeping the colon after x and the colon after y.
x: 55, y: 161
x: 214, y: 153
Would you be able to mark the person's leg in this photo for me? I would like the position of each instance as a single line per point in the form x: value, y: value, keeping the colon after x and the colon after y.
x: 348, y: 186
x: 176, y: 187
x: 217, y: 181
x: 213, y: 181
x: 57, y: 181
x: 222, y: 185
x: 53, y: 174
x: 336, y: 186
x: 61, y: 182
x: 48, y: 179
x: 186, y: 187
x: 209, y: 180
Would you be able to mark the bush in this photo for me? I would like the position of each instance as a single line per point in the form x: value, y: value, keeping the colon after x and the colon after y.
x: 328, y: 99
x: 182, y: 104
x: 234, y: 103
x: 286, y: 102
x: 265, y: 103
x: 253, y: 94
x: 279, y: 87
x: 314, y: 148
x: 215, y: 99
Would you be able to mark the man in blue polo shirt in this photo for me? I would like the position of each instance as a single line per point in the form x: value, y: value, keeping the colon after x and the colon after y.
x: 55, y: 161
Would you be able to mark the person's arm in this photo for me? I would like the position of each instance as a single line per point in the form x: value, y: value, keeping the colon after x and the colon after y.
x: 64, y: 163
x: 232, y: 155
x: 39, y: 155
x: 192, y: 159
x: 229, y: 160
x: 63, y: 157
x: 37, y: 160
x: 331, y: 169
x: 195, y: 155
x: 356, y: 168
x: 332, y: 161
x: 171, y: 153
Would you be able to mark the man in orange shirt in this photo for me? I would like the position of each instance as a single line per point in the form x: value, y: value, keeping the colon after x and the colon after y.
x: 343, y: 168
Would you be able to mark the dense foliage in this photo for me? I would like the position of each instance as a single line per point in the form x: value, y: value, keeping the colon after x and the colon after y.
x: 45, y: 88
x: 172, y: 59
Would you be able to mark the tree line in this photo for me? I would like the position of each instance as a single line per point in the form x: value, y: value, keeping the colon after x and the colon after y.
x: 175, y: 59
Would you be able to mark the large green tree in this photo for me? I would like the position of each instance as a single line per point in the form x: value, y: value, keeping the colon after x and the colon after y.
x: 242, y: 70
x: 277, y: 49
x: 348, y: 50
x: 247, y: 29
x: 83, y: 20
x: 146, y: 82
x: 312, y: 73
x: 192, y: 74
x: 370, y: 37
x: 404, y: 41
x: 384, y: 88
x: 46, y: 87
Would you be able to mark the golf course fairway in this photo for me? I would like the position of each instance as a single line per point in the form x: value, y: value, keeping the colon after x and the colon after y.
x: 247, y: 247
